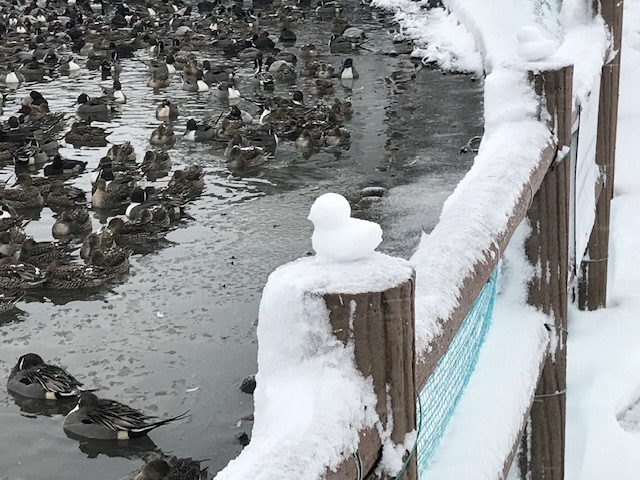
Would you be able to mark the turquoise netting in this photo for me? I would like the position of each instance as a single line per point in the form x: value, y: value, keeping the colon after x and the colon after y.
x: 442, y: 391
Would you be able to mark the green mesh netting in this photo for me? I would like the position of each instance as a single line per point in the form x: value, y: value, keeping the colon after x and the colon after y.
x: 442, y: 391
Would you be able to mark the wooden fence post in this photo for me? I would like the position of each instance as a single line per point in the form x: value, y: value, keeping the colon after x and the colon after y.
x: 383, y: 328
x: 592, y: 284
x: 547, y: 250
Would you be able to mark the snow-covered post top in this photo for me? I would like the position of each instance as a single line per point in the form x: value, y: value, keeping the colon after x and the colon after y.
x: 335, y: 357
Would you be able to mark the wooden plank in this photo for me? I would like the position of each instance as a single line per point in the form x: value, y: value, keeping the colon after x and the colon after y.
x: 592, y: 286
x: 547, y: 249
x: 381, y: 326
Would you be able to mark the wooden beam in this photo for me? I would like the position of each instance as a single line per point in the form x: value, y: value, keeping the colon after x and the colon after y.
x: 548, y: 251
x: 592, y: 285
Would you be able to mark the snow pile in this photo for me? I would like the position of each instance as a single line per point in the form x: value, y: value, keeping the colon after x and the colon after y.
x: 493, y: 406
x: 603, y: 388
x: 438, y: 36
x: 311, y: 400
x: 337, y: 237
x: 480, y: 207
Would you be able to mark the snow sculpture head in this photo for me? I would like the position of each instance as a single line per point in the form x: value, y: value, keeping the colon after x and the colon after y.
x: 337, y: 237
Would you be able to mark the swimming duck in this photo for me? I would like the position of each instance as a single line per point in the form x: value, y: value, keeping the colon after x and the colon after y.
x: 226, y: 92
x: 103, y: 419
x: 348, y: 71
x: 142, y: 232
x: 102, y: 252
x: 167, y: 110
x: 187, y: 183
x: 162, y: 135
x: 327, y: 9
x: 353, y: 34
x: 41, y: 254
x: 114, y: 195
x: 324, y: 71
x: 308, y: 51
x: 9, y: 300
x: 14, y: 78
x: 82, y: 134
x: 32, y: 71
x: 68, y: 66
x: 122, y: 154
x: 217, y: 74
x: 115, y: 94
x: 242, y: 156
x: 159, y: 79
x: 92, y: 107
x: 199, y: 133
x: 25, y: 196
x: 287, y: 35
x: 15, y: 275
x: 164, y: 210
x: 173, y: 469
x: 63, y: 275
x: 337, y: 137
x: 64, y: 167
x: 74, y: 223
x: 31, y: 377
x: 155, y: 162
x: 340, y: 44
x: 321, y: 87
x: 30, y: 155
x: 194, y: 83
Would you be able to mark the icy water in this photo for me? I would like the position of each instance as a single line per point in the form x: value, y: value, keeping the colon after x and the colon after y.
x: 179, y: 333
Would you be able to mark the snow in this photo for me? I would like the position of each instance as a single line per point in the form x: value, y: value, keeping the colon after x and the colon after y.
x: 496, y: 399
x: 310, y: 399
x: 337, y: 237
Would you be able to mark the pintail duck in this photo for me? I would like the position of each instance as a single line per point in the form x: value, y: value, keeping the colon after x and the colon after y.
x: 155, y: 162
x: 31, y: 377
x: 199, y: 133
x: 321, y: 87
x: 9, y: 300
x: 62, y: 275
x: 62, y: 196
x: 216, y: 74
x: 64, y: 167
x: 164, y: 210
x: 82, y: 134
x: 243, y: 156
x: 25, y: 196
x: 172, y: 469
x: 325, y: 71
x: 308, y: 51
x: 338, y: 137
x: 142, y: 232
x: 92, y: 107
x: 115, y: 94
x: 8, y: 217
x: 10, y: 242
x: 32, y: 71
x: 167, y: 110
x: 194, y: 83
x: 101, y: 251
x: 30, y: 155
x: 115, y: 195
x: 14, y: 78
x: 103, y: 419
x: 340, y: 44
x: 159, y: 79
x: 16, y: 275
x: 68, y: 66
x: 73, y: 223
x: 122, y: 155
x: 187, y: 183
x: 162, y: 136
x: 348, y: 71
x: 287, y: 35
x: 41, y: 254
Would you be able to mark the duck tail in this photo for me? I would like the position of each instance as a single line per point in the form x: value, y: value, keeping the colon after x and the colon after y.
x: 139, y: 432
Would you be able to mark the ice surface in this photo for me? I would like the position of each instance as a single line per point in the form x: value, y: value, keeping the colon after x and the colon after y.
x: 337, y: 237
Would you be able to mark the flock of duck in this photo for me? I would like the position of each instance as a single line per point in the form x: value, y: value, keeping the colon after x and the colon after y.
x: 64, y: 37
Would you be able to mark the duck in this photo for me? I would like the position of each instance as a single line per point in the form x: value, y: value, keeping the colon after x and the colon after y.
x: 32, y: 377
x: 164, y: 210
x: 194, y: 83
x: 308, y: 51
x: 115, y: 94
x: 16, y: 275
x: 162, y: 135
x: 287, y: 35
x: 199, y: 133
x: 30, y: 155
x: 167, y: 111
x: 264, y: 137
x: 9, y: 300
x: 32, y: 71
x: 14, y: 78
x: 141, y: 232
x: 170, y: 63
x: 224, y: 91
x: 112, y: 196
x: 306, y: 140
x: 159, y: 79
x: 63, y: 275
x: 337, y: 137
x: 348, y: 71
x: 66, y: 167
x: 155, y: 162
x: 340, y: 44
x: 321, y: 87
x: 187, y: 183
x: 122, y: 155
x: 68, y: 66
x: 103, y: 419
x: 242, y: 156
x: 41, y: 254
x: 25, y: 196
x: 92, y: 106
x: 73, y: 223
x: 172, y: 469
x: 103, y: 253
x: 82, y: 134
x: 354, y: 34
x: 216, y: 75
